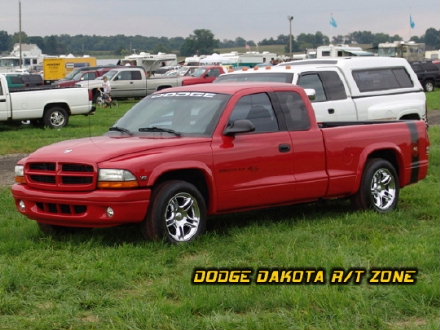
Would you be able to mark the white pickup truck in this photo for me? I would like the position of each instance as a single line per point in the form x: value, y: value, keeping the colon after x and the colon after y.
x: 349, y: 89
x: 50, y: 106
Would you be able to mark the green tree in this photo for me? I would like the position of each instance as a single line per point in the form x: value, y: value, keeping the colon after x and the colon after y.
x: 5, y: 41
x: 201, y: 42
x: 432, y: 38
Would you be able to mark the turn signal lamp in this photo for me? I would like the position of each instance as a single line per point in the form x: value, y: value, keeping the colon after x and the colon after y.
x: 19, y: 174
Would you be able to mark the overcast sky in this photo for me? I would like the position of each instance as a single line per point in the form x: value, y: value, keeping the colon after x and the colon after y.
x: 227, y: 19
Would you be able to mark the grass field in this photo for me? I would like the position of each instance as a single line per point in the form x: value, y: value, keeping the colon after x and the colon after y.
x: 433, y: 100
x: 113, y: 279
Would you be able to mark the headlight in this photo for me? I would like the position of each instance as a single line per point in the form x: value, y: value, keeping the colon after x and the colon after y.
x: 19, y: 174
x: 116, y: 179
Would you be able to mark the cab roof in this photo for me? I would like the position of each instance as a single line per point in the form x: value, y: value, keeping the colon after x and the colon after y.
x: 230, y: 87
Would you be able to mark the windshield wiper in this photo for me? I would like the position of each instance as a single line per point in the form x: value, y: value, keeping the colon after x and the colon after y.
x: 159, y: 129
x: 120, y: 129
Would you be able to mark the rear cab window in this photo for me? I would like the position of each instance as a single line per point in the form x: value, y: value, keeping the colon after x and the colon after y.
x: 294, y: 110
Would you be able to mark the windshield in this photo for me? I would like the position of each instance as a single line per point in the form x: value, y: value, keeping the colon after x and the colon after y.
x: 71, y: 75
x: 284, y: 77
x: 195, y: 72
x: 110, y: 74
x: 175, y: 114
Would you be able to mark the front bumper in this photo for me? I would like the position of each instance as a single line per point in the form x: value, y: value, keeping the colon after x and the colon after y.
x: 82, y: 209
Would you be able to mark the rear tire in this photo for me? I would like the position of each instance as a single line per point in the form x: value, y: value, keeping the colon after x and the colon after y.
x: 428, y: 86
x: 55, y: 117
x: 380, y: 187
x: 177, y: 213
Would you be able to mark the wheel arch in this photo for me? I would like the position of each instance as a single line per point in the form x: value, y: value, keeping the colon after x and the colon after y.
x: 390, y: 154
x: 196, y: 176
x: 63, y: 105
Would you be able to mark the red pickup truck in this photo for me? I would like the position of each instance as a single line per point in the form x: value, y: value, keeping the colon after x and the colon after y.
x: 202, y: 74
x: 185, y: 153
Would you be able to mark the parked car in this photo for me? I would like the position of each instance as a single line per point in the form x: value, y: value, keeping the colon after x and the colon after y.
x: 185, y: 153
x: 133, y: 81
x: 83, y: 74
x: 358, y: 88
x: 51, y: 106
x: 428, y: 73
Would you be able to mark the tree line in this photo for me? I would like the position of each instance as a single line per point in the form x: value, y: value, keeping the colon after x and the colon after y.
x: 201, y: 41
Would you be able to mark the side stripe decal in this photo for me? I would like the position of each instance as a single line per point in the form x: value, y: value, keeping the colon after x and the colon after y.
x: 415, y: 155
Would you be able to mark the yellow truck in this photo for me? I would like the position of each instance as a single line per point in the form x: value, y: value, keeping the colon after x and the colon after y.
x: 58, y: 68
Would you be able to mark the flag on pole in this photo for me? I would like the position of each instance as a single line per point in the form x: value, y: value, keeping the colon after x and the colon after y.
x: 333, y: 22
x: 411, y: 22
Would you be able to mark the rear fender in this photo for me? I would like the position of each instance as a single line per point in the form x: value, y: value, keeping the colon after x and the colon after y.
x: 387, y: 151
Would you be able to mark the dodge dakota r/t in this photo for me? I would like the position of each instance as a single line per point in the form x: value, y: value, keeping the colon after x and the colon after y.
x: 188, y: 152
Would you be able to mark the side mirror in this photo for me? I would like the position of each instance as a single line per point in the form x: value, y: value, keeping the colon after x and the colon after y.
x: 239, y: 126
x: 311, y: 93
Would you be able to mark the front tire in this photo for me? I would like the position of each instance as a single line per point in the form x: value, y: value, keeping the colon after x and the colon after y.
x: 379, y: 188
x: 55, y: 117
x: 177, y: 213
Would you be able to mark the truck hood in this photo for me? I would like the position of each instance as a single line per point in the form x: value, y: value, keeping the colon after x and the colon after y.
x: 103, y: 148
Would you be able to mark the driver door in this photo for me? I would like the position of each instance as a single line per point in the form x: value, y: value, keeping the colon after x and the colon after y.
x: 254, y: 168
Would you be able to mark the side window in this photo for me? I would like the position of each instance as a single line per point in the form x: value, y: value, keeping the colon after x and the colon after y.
x: 1, y: 89
x: 124, y: 75
x: 214, y: 73
x: 136, y: 75
x: 334, y: 88
x: 382, y: 79
x: 294, y: 110
x: 258, y: 109
x: 91, y: 76
x: 313, y: 81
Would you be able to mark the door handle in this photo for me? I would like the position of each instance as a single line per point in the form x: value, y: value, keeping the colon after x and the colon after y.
x: 284, y: 147
x: 331, y: 111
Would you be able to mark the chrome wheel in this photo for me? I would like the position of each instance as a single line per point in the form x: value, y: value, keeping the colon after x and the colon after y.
x: 57, y: 119
x: 383, y: 189
x: 182, y: 216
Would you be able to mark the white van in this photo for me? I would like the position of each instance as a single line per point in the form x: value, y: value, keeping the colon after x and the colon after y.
x: 349, y: 89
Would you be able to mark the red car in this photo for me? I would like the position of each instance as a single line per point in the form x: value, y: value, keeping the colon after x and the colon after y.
x: 83, y: 74
x: 202, y: 74
x: 185, y: 153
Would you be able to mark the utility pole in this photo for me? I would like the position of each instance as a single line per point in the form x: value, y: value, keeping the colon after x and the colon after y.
x: 290, y: 18
x: 19, y: 34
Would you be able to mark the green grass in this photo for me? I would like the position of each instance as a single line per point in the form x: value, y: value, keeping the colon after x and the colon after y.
x: 113, y: 279
x: 433, y: 100
x: 28, y: 138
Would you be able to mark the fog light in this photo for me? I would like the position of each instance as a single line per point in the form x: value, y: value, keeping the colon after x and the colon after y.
x: 22, y: 205
x: 110, y: 212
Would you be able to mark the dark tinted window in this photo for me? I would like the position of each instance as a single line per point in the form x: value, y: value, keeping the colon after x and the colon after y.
x: 258, y: 109
x: 314, y: 82
x: 273, y: 77
x: 136, y: 75
x: 214, y: 73
x: 294, y: 110
x: 382, y: 79
x: 129, y: 75
x: 334, y: 88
